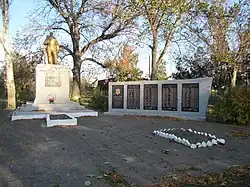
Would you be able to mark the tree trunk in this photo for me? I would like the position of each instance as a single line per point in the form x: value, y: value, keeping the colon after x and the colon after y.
x: 11, y: 90
x: 76, y: 89
x: 154, y: 57
x: 235, y: 71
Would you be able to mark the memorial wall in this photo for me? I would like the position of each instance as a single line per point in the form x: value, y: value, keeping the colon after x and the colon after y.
x: 177, y: 98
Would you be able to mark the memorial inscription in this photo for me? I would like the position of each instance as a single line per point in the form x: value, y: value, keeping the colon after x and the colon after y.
x: 150, y: 97
x: 117, y: 96
x: 190, y: 97
x: 52, y: 79
x: 169, y: 97
x: 133, y: 97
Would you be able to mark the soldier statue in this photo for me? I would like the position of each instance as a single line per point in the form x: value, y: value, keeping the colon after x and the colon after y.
x: 51, y: 49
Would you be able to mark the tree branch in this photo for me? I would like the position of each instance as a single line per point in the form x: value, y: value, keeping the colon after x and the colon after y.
x: 95, y: 61
x: 203, y: 38
x: 60, y: 28
x: 67, y: 49
x: 168, y: 39
x: 57, y: 7
x: 81, y: 9
x: 101, y: 38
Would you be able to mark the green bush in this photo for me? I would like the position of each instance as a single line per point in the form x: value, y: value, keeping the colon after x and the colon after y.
x: 99, y: 100
x: 234, y: 107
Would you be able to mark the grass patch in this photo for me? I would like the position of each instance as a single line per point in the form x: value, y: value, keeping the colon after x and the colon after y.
x: 238, y: 176
x: 240, y: 134
x: 233, y: 177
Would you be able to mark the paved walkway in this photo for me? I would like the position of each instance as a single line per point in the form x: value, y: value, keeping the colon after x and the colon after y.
x: 31, y: 155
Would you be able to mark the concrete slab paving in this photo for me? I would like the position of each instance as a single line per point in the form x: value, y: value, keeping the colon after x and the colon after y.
x: 31, y: 155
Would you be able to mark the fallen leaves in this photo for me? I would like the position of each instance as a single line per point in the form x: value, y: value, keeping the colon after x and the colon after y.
x: 240, y: 134
x: 235, y: 176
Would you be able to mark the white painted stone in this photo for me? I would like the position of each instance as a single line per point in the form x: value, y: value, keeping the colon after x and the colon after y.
x: 175, y: 138
x: 171, y: 136
x: 222, y: 141
x: 195, y: 132
x: 188, y: 143
x: 87, y: 183
x: 183, y: 141
x: 214, y: 142
x: 209, y: 144
x: 204, y: 144
x: 193, y: 146
x: 198, y: 145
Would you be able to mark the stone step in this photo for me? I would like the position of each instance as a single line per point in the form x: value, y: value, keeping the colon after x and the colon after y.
x: 29, y: 106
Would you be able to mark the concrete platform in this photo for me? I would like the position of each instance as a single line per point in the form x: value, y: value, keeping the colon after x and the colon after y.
x: 152, y: 113
x: 17, y: 115
x: 30, y: 106
x: 27, y: 111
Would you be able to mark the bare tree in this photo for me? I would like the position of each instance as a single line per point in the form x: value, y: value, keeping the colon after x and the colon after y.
x: 161, y: 20
x: 11, y: 91
x: 88, y: 26
x: 224, y: 30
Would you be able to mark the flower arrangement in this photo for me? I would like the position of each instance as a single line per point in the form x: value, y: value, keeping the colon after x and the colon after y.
x: 212, y: 140
x: 51, y: 100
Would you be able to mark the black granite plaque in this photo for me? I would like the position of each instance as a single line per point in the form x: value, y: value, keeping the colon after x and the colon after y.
x: 150, y: 97
x: 169, y: 97
x: 117, y: 96
x: 133, y: 97
x: 53, y: 79
x: 190, y: 97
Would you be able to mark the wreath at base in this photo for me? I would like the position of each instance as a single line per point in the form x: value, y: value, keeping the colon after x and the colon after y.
x: 210, y: 139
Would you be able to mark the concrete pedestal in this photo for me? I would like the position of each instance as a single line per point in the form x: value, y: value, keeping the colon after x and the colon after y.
x: 52, y: 81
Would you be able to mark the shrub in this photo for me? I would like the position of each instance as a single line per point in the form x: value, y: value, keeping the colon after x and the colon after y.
x: 99, y: 100
x: 234, y: 107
